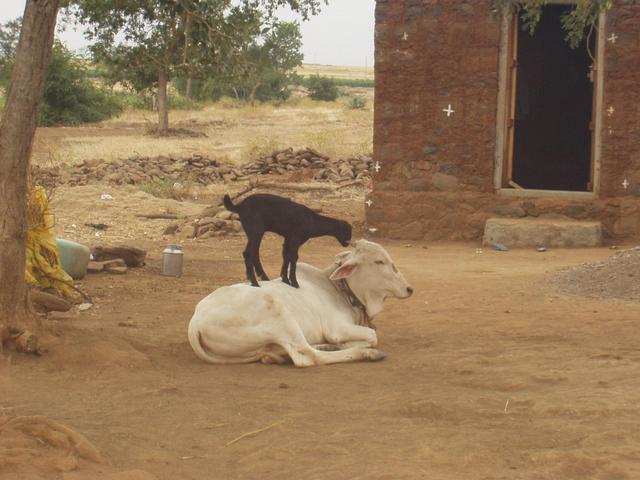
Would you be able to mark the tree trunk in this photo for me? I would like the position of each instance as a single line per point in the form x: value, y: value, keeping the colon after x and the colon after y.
x: 187, y: 92
x: 163, y: 105
x: 17, y: 128
x: 254, y: 90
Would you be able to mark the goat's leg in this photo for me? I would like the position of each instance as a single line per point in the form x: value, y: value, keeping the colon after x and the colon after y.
x: 284, y: 271
x: 293, y: 260
x: 257, y: 264
x: 248, y: 263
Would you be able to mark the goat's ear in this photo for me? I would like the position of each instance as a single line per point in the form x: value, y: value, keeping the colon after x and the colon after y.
x: 344, y: 271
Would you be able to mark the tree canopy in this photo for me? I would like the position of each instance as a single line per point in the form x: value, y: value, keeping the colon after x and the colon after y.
x: 9, y: 35
x: 577, y: 22
x: 145, y: 43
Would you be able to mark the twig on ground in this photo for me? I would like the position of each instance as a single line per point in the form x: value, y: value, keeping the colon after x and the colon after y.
x: 254, y: 432
x: 155, y: 216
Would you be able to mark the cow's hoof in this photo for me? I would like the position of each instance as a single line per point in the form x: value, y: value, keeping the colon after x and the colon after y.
x: 375, y: 355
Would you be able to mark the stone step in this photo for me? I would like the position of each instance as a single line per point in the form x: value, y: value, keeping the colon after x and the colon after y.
x: 547, y: 232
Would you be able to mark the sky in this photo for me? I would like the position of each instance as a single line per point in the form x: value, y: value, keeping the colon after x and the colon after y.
x: 342, y: 34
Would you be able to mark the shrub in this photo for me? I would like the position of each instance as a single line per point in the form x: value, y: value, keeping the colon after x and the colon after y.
x: 357, y: 103
x: 135, y: 101
x: 70, y: 97
x: 322, y: 88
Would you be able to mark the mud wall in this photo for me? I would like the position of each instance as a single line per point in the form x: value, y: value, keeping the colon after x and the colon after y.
x: 436, y: 179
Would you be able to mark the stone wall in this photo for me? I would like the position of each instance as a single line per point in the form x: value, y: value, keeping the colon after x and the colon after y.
x: 437, y: 171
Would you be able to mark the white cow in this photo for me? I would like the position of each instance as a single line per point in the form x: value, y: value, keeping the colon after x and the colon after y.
x: 330, y: 311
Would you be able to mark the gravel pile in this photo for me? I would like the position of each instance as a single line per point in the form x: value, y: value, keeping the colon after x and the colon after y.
x: 617, y: 277
x: 202, y: 170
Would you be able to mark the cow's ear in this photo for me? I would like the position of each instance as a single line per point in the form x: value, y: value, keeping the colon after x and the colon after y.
x: 341, y: 257
x: 344, y: 271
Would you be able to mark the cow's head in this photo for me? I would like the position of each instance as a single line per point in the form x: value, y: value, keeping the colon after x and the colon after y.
x: 371, y: 275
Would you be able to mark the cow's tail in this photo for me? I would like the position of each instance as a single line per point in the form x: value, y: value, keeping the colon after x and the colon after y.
x: 228, y: 204
x: 198, y: 346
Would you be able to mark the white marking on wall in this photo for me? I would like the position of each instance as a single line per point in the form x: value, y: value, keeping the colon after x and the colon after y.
x: 449, y: 110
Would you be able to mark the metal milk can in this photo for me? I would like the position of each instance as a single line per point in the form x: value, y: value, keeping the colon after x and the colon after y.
x: 172, y: 257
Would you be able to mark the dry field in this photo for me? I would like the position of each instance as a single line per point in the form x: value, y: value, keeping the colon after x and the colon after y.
x: 337, y: 72
x: 235, y: 132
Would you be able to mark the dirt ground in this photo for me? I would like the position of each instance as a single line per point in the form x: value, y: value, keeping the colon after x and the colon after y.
x: 490, y: 374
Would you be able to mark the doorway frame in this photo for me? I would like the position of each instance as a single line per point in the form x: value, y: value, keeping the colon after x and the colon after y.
x: 506, y: 90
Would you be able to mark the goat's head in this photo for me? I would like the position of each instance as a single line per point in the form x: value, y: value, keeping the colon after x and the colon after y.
x: 343, y: 233
x: 371, y: 275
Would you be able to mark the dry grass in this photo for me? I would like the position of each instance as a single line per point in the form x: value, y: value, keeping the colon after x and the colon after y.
x: 235, y: 131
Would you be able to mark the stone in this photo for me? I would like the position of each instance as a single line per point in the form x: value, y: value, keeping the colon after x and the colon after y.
x: 208, y: 234
x: 627, y: 225
x: 97, y: 267
x: 44, y: 302
x: 204, y: 229
x: 510, y: 211
x: 444, y: 182
x: 526, y: 232
x: 224, y: 215
x: 530, y: 208
x: 133, y: 256
x: 116, y: 269
x: 430, y: 149
x: 419, y: 185
x: 188, y: 232
x: 206, y: 221
x: 171, y: 229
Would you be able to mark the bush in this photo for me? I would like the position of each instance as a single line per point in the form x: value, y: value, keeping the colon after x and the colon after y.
x: 355, y: 82
x: 357, y: 103
x: 201, y: 90
x: 70, y: 97
x: 128, y: 100
x: 322, y: 88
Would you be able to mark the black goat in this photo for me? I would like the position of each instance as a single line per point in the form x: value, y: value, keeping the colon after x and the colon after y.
x: 262, y: 213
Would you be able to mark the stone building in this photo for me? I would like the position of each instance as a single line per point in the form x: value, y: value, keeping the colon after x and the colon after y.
x: 476, y: 118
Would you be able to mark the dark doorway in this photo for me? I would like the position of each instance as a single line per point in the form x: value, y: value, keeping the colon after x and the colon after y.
x: 553, y: 108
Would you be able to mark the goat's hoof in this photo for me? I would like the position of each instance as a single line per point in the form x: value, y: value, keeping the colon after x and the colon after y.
x: 294, y: 284
x: 286, y: 280
x: 264, y: 278
x: 255, y: 285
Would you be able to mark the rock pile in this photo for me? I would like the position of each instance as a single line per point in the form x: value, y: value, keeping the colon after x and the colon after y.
x: 197, y: 168
x: 287, y: 161
x: 217, y: 224
x: 616, y: 277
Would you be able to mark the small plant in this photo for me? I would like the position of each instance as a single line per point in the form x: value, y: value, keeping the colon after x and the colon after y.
x: 322, y: 88
x: 259, y: 147
x: 163, y: 188
x: 357, y: 103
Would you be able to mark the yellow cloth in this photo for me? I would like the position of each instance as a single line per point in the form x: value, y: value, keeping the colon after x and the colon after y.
x: 43, y: 269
